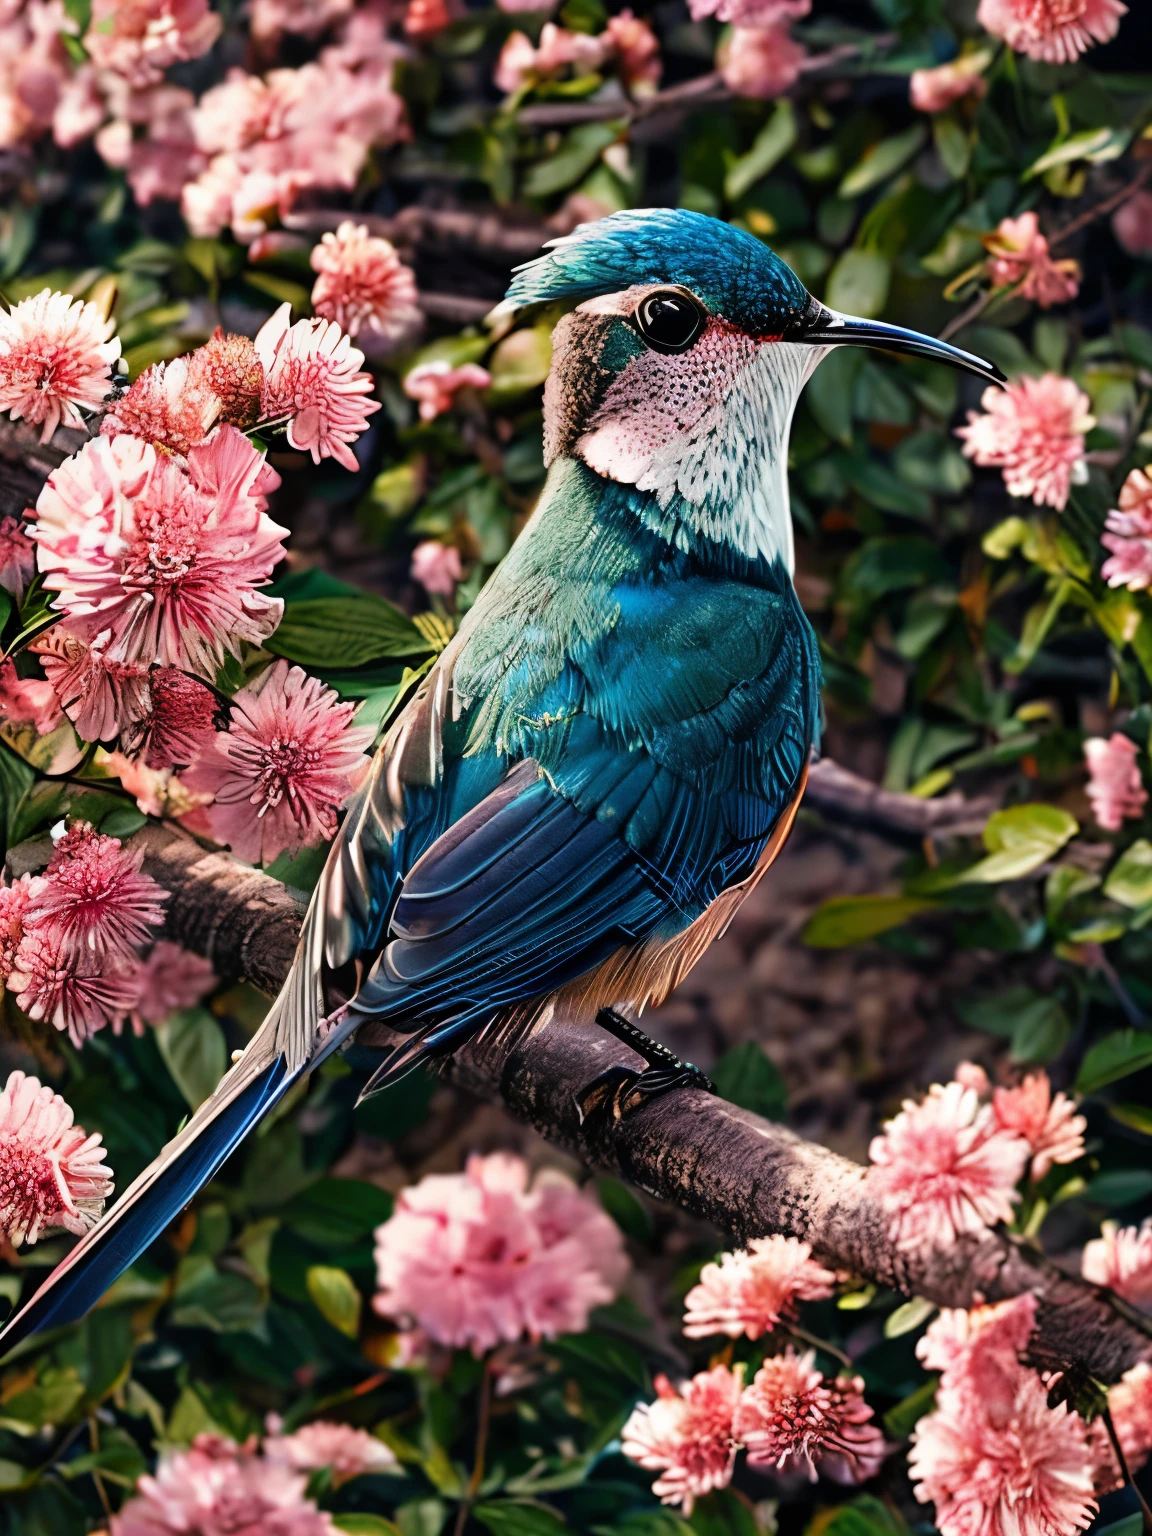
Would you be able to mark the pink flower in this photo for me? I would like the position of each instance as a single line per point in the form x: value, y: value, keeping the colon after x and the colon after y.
x: 436, y: 567
x: 217, y: 1486
x: 792, y: 1420
x: 27, y: 701
x: 944, y: 1167
x: 284, y: 767
x: 176, y: 720
x: 14, y: 901
x: 348, y: 1452
x: 1033, y: 431
x: 1121, y: 1258
x: 166, y: 560
x: 969, y: 1074
x: 1047, y: 1122
x: 233, y: 114
x: 1130, y: 1403
x: 1032, y: 1476
x: 559, y: 49
x: 477, y: 1258
x: 229, y: 366
x: 76, y: 995
x: 17, y: 558
x: 164, y: 158
x: 312, y: 379
x: 637, y: 52
x: 52, y: 1174
x: 139, y: 39
x: 55, y: 356
x: 687, y: 1436
x: 934, y: 90
x: 1132, y: 224
x: 308, y: 18
x: 1055, y: 31
x: 437, y: 384
x: 1130, y: 535
x: 80, y: 108
x: 169, y: 979
x: 979, y: 1353
x: 761, y: 63
x: 95, y: 901
x: 748, y: 1292
x: 427, y: 18
x: 530, y: 7
x: 170, y: 405
x: 1018, y: 253
x: 753, y: 14
x: 100, y: 696
x: 363, y: 286
x: 1115, y: 787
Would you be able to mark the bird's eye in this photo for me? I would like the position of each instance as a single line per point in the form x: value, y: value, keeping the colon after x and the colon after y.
x: 669, y: 321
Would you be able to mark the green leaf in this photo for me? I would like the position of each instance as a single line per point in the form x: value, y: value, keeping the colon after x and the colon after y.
x: 122, y: 821
x: 336, y: 1297
x: 1130, y: 1525
x: 335, y: 1212
x: 194, y: 1051
x: 282, y: 289
x: 345, y: 632
x: 843, y: 920
x: 1093, y: 144
x: 422, y: 1517
x: 1120, y: 1186
x: 953, y: 144
x: 625, y: 1209
x: 1130, y: 879
x: 882, y: 161
x: 1041, y: 1034
x: 1137, y: 1117
x: 1122, y: 1052
x: 866, y: 1515
x: 858, y: 283
x: 907, y: 1318
x: 574, y: 159
x: 829, y: 392
x: 722, y: 1514
x: 521, y: 362
x: 1019, y: 840
x: 365, y: 1525
x: 772, y: 143
x: 220, y: 1300
x: 509, y: 1517
x: 747, y: 1076
x: 900, y: 1421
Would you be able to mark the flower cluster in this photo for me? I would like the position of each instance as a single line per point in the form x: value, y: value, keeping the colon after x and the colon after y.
x: 1129, y: 535
x: 1018, y: 254
x: 363, y: 287
x: 759, y: 57
x: 750, y: 1291
x: 52, y: 1173
x: 626, y: 41
x: 1033, y: 431
x: 485, y: 1257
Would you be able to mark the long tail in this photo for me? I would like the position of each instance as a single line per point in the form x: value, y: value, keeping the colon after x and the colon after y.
x: 285, y: 1047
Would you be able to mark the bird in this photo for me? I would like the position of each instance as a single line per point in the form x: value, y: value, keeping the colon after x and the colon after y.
x: 611, y: 750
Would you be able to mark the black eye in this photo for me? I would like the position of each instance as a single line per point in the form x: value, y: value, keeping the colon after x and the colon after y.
x: 669, y: 322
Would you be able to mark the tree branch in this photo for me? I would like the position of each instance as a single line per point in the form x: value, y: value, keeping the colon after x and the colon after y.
x: 722, y: 1163
x: 845, y: 798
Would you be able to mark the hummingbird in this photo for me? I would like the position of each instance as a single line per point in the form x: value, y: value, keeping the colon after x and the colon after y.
x: 611, y: 750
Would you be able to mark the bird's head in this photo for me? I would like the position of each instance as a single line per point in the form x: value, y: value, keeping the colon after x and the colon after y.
x: 679, y: 368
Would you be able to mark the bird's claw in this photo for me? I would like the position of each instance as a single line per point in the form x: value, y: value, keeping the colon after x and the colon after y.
x: 619, y: 1091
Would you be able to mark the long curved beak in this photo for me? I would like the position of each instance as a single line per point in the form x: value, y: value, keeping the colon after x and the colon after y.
x: 826, y: 327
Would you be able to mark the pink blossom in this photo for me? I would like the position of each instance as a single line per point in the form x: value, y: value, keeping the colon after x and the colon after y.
x: 427, y: 18
x: 1018, y: 253
x: 167, y: 560
x: 477, y: 1258
x: 169, y: 405
x: 229, y: 366
x: 27, y: 700
x: 100, y: 696
x: 312, y: 379
x: 232, y: 115
x: 637, y: 52
x: 76, y: 995
x: 792, y: 1420
x: 559, y: 49
x: 52, y: 1173
x: 364, y: 287
x: 1031, y: 1476
x: 944, y: 1167
x: 1132, y: 224
x: 1130, y: 535
x: 436, y: 567
x: 307, y: 18
x: 1115, y: 787
x: 1048, y: 1122
x: 1130, y: 1404
x: 347, y: 1451
x: 217, y: 1486
x: 14, y: 901
x: 437, y: 384
x: 1055, y: 31
x: 969, y: 1074
x: 1033, y: 430
x: 169, y: 979
x: 157, y: 791
x: 749, y: 1292
x: 934, y: 90
x: 979, y: 1353
x: 753, y: 14
x: 55, y: 357
x: 80, y: 108
x: 17, y: 558
x: 139, y: 39
x: 176, y: 720
x: 164, y: 157
x: 687, y: 1436
x: 286, y: 764
x: 528, y: 7
x: 95, y: 900
x: 760, y: 62
x: 1121, y: 1258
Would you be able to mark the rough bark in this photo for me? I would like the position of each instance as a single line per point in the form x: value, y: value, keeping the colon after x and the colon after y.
x: 747, y: 1175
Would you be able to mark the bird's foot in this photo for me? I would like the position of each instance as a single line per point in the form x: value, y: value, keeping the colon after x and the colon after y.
x: 619, y: 1091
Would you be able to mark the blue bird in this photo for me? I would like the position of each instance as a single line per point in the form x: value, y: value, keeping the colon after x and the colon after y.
x: 610, y: 752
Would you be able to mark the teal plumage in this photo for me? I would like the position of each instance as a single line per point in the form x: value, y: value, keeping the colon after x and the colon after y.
x: 609, y: 753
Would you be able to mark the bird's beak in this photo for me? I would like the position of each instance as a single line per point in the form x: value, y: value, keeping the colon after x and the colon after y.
x: 826, y: 327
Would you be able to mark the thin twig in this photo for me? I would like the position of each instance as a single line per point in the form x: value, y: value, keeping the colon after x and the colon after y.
x: 482, y: 1426
x: 1118, y: 1452
x: 1101, y: 210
